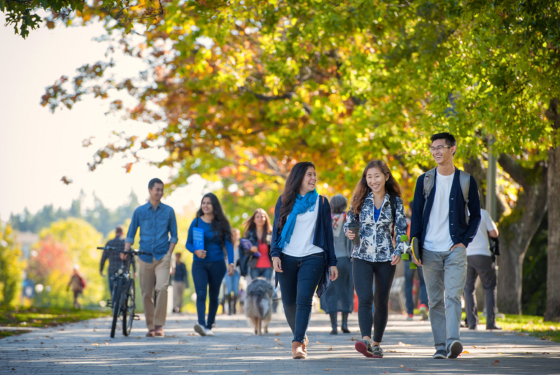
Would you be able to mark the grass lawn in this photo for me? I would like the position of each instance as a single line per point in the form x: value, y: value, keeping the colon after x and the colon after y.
x: 533, y: 325
x: 42, y: 317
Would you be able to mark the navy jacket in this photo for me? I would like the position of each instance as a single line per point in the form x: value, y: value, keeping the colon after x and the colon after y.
x: 323, y: 238
x: 460, y: 231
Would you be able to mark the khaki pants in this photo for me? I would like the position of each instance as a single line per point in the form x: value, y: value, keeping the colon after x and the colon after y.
x: 178, y: 289
x: 155, y: 274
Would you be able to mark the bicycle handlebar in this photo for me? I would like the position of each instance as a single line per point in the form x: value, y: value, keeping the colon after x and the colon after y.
x: 131, y: 251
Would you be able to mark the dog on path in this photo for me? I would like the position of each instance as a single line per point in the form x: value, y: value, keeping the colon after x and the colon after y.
x: 258, y: 304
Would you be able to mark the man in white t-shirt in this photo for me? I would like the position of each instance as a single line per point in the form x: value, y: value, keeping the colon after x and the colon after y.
x: 481, y: 263
x: 445, y: 218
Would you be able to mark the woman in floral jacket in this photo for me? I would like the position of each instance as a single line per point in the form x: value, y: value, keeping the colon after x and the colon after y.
x: 378, y: 210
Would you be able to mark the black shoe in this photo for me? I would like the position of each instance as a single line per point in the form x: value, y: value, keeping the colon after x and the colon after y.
x: 455, y: 349
x: 494, y: 327
x: 334, y: 331
x: 344, y: 326
x: 440, y: 354
x: 472, y: 328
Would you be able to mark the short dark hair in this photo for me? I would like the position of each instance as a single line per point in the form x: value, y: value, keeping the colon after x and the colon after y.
x: 119, y: 229
x: 154, y: 181
x: 449, y: 139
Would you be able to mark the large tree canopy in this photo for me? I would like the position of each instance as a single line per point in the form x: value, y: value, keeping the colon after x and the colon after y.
x: 241, y: 90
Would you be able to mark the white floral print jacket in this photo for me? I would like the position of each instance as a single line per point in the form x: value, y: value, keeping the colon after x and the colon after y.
x: 376, y: 244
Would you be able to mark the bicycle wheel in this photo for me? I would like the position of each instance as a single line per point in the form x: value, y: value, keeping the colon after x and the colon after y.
x: 128, y: 308
x: 116, y: 305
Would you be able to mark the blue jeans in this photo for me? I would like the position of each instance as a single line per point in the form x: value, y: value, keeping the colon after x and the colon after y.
x: 408, y: 278
x: 232, y: 284
x: 207, y: 276
x: 298, y: 282
x: 110, y: 287
x: 264, y: 272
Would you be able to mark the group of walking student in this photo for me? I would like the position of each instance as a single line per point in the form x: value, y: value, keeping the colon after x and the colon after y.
x: 317, y: 246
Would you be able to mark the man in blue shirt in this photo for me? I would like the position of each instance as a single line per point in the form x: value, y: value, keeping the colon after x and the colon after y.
x: 158, y: 236
x: 444, y: 228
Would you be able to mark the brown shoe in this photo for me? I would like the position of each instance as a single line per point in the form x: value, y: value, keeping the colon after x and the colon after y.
x: 151, y: 333
x: 304, y: 344
x: 159, y: 331
x: 297, y: 352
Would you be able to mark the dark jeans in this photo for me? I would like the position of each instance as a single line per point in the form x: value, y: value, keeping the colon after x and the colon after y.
x: 483, y: 266
x: 408, y: 279
x: 111, y: 286
x: 298, y: 282
x: 207, y: 275
x: 363, y: 272
x: 264, y: 272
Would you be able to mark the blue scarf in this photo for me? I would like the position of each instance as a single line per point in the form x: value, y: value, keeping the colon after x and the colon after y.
x: 304, y: 203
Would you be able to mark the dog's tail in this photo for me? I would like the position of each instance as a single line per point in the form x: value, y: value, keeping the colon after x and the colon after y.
x: 263, y: 305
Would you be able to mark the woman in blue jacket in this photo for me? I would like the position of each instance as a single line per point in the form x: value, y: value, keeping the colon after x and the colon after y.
x: 302, y: 250
x: 209, y: 268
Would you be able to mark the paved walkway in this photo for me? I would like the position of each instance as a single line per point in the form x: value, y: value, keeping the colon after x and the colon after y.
x: 85, y: 348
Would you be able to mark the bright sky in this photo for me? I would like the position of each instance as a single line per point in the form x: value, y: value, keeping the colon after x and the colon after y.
x: 38, y: 148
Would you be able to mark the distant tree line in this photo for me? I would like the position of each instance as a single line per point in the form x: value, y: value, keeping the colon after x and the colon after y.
x: 102, y: 218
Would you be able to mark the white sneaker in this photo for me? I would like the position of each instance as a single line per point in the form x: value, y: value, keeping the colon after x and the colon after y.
x: 200, y: 329
x: 209, y: 332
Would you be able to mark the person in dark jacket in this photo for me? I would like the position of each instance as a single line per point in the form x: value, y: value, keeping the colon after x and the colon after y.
x: 440, y: 223
x: 302, y: 250
x: 114, y: 257
x: 340, y: 295
x: 258, y: 230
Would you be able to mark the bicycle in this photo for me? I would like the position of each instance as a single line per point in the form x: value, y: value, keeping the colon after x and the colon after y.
x: 123, y: 293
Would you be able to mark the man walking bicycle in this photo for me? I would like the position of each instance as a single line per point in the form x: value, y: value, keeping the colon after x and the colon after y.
x: 443, y: 199
x: 158, y: 236
x: 114, y: 256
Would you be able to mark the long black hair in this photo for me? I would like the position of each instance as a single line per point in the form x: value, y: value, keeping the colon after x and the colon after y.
x: 220, y: 224
x: 291, y: 190
x: 362, y: 189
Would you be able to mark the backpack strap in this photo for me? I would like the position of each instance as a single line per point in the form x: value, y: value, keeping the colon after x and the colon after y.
x: 429, y: 182
x: 393, y: 202
x: 465, y: 181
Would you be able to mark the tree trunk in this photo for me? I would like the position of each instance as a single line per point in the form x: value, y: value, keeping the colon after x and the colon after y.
x: 475, y: 168
x: 553, y: 269
x: 517, y: 230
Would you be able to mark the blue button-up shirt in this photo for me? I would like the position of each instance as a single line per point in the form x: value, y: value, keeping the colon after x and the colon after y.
x: 158, y: 228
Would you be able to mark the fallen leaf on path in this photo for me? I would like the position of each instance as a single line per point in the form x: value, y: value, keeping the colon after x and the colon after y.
x: 277, y: 334
x: 496, y: 361
x: 139, y: 337
x: 465, y: 352
x: 474, y: 347
x: 95, y: 344
x: 277, y: 340
x: 330, y: 349
x: 327, y: 369
x: 318, y: 342
x: 402, y: 344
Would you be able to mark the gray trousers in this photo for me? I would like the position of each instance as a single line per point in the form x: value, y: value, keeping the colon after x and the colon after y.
x: 445, y: 274
x: 483, y: 266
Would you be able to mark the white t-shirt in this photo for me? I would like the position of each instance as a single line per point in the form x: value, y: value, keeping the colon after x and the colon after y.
x: 301, y: 242
x: 480, y: 244
x: 438, y: 237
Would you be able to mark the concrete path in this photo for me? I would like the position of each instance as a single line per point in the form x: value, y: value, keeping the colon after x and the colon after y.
x: 85, y: 348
